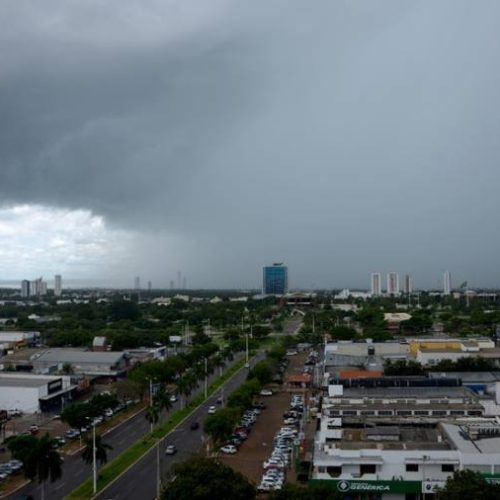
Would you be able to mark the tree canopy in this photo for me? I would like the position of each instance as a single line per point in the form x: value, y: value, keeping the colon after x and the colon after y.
x: 468, y: 485
x: 205, y: 479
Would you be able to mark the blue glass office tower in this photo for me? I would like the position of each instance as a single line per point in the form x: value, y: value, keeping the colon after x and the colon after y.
x: 275, y: 279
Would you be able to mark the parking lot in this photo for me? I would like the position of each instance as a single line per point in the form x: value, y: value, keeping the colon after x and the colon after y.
x: 260, y: 443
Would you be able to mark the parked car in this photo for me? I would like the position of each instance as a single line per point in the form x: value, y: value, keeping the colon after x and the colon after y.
x: 212, y: 409
x: 230, y: 449
x: 173, y: 398
x: 266, y: 392
x: 34, y: 429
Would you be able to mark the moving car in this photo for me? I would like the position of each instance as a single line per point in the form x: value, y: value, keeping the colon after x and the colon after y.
x: 170, y: 450
x: 212, y: 409
x: 194, y: 426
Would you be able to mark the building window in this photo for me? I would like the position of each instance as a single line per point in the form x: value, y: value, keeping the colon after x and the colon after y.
x: 350, y: 413
x: 367, y: 469
x: 403, y: 413
x: 411, y: 467
x: 438, y: 413
x: 334, y: 471
x: 447, y: 468
x: 421, y: 412
x: 385, y: 413
x: 367, y: 412
x: 457, y: 412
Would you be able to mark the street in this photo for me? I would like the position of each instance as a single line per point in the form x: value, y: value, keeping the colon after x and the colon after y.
x: 75, y: 470
x: 140, y: 480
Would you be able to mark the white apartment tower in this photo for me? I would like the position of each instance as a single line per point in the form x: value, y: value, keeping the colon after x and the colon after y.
x: 447, y: 283
x: 137, y: 283
x: 407, y: 284
x: 57, y: 285
x: 376, y: 284
x: 25, y: 289
x: 392, y: 283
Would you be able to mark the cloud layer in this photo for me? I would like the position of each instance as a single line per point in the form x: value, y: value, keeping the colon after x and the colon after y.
x: 342, y: 137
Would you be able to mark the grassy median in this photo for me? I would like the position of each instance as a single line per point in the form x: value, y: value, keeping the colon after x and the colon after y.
x: 132, y: 454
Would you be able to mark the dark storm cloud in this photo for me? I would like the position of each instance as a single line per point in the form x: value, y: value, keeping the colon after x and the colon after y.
x: 342, y: 137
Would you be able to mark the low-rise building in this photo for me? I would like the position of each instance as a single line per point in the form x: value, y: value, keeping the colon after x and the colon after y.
x: 34, y: 393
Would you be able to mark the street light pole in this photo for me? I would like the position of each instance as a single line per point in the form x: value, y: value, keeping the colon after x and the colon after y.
x: 246, y: 351
x: 151, y: 402
x: 158, y: 474
x: 206, y: 378
x: 94, y: 459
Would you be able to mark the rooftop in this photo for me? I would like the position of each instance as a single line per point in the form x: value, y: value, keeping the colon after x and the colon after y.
x: 25, y: 380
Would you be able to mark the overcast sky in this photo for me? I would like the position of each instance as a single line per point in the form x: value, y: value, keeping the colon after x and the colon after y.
x: 143, y: 137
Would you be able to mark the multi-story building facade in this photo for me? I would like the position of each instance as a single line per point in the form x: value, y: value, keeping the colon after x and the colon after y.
x: 25, y: 289
x: 275, y: 279
x: 447, y: 283
x: 399, y: 438
x: 57, y: 285
x: 376, y: 284
x: 392, y: 283
x: 407, y: 284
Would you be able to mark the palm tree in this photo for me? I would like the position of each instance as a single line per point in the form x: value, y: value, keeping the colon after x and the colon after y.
x: 161, y: 401
x: 40, y: 458
x: 152, y: 415
x: 185, y: 386
x: 101, y: 448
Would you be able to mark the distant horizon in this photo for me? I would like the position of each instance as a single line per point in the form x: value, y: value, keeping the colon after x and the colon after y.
x: 92, y: 284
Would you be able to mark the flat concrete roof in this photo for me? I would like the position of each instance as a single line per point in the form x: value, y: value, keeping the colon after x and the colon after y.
x: 74, y: 356
x: 407, y: 392
x: 25, y: 381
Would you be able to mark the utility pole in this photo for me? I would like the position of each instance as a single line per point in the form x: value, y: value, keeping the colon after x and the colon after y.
x: 206, y: 378
x: 247, y: 365
x: 151, y: 402
x: 94, y: 459
x: 158, y: 471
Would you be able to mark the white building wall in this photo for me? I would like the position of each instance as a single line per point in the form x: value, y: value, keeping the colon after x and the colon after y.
x: 430, y: 358
x: 22, y: 398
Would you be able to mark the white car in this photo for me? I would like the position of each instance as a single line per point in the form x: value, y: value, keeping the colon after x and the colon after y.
x: 273, y: 462
x: 212, y: 409
x: 266, y: 392
x: 173, y: 398
x: 229, y: 449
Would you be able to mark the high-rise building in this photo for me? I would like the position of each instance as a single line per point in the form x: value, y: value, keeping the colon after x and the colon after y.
x: 407, y: 284
x: 392, y: 283
x: 184, y: 283
x: 447, y: 283
x: 38, y: 287
x: 275, y: 279
x: 137, y: 283
x: 179, y: 280
x: 376, y: 284
x: 25, y: 289
x: 57, y: 285
x: 172, y: 285
x: 150, y: 286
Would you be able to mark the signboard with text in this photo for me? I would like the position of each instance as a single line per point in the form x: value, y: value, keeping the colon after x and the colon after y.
x: 359, y: 486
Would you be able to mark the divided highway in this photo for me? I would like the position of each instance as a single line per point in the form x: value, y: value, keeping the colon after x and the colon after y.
x: 140, y: 480
x: 75, y: 470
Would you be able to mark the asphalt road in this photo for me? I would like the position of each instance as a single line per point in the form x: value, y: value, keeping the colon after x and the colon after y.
x: 141, y: 479
x: 75, y: 470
